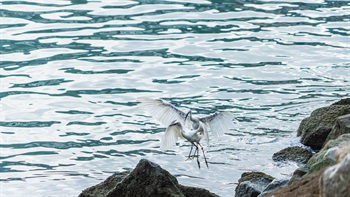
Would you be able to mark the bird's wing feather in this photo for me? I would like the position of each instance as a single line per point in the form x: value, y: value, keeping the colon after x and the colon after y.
x: 169, y: 138
x: 164, y: 112
x: 218, y: 122
x: 206, y: 132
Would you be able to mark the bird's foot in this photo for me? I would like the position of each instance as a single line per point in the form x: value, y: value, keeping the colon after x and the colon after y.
x: 191, y: 157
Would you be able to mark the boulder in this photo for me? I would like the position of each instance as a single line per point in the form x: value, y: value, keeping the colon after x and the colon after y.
x: 327, y: 155
x: 295, y: 153
x: 251, y: 184
x: 336, y: 179
x: 102, y: 189
x: 315, y: 128
x: 146, y: 180
x: 274, y: 185
x: 341, y: 126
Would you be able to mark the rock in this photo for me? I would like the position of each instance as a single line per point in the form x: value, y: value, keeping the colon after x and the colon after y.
x: 341, y: 126
x: 343, y: 150
x: 295, y: 153
x: 326, y: 156
x: 274, y: 185
x: 308, y: 186
x: 345, y: 101
x: 299, y: 172
x: 103, y: 188
x: 246, y: 176
x: 336, y: 180
x: 196, y: 192
x: 252, y: 188
x: 251, y: 184
x: 315, y: 129
x: 146, y: 180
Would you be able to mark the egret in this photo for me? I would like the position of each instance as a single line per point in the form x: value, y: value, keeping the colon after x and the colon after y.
x: 183, y: 125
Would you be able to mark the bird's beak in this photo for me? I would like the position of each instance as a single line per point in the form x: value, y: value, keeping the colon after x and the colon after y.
x: 188, y: 113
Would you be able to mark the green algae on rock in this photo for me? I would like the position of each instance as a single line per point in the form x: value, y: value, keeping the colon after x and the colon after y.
x: 315, y: 129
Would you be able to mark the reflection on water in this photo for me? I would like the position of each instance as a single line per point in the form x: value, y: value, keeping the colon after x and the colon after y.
x: 71, y: 72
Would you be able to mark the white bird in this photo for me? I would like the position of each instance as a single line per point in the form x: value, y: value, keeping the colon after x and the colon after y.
x: 183, y: 125
x: 175, y: 130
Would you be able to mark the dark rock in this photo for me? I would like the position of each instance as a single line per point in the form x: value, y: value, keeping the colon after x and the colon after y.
x: 147, y: 180
x: 252, y: 188
x: 336, y: 179
x: 341, y: 126
x: 195, y: 191
x: 315, y: 139
x: 104, y: 187
x: 295, y: 153
x: 251, y: 184
x: 326, y: 156
x: 274, y: 185
x: 315, y: 129
x: 345, y: 101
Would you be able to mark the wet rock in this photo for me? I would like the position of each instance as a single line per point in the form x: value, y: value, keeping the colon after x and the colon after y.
x: 295, y: 153
x: 326, y: 156
x: 336, y: 180
x: 299, y: 172
x: 315, y: 129
x: 246, y: 176
x: 102, y: 189
x: 274, y: 185
x: 341, y: 126
x: 251, y: 184
x: 252, y: 188
x: 308, y: 186
x: 146, y: 180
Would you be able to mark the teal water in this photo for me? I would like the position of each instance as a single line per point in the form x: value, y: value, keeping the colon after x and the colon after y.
x: 71, y: 72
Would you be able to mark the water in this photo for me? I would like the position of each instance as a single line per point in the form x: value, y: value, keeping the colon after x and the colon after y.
x: 71, y: 72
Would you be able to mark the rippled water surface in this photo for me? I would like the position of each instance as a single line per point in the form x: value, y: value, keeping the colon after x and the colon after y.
x: 71, y: 72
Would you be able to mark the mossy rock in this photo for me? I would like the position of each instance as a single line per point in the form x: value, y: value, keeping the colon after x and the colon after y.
x: 315, y: 129
x: 295, y: 153
x: 341, y: 126
x: 252, y: 184
x: 325, y: 157
x: 322, y: 164
x: 247, y: 176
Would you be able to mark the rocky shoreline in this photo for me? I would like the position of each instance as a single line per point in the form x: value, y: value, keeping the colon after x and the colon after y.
x: 325, y: 173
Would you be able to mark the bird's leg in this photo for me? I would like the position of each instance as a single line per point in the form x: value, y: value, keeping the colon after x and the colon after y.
x: 199, y: 165
x: 194, y: 153
x: 205, y: 159
x: 189, y: 155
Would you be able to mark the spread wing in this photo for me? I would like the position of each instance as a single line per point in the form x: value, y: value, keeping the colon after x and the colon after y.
x: 169, y: 138
x: 164, y: 112
x: 206, y: 132
x: 218, y: 123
